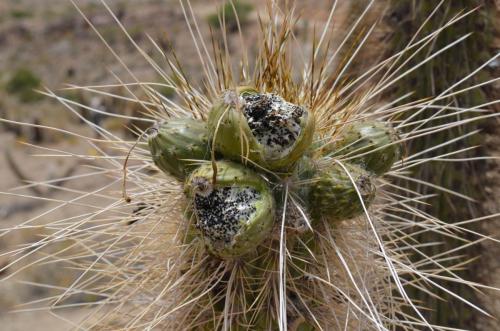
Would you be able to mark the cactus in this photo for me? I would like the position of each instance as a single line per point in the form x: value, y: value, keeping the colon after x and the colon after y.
x: 375, y: 142
x: 176, y: 144
x: 248, y: 262
x: 406, y: 18
x: 236, y: 214
x: 260, y: 127
x: 333, y: 195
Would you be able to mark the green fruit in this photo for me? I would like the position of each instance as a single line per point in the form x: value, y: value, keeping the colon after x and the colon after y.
x: 304, y: 175
x: 175, y: 145
x: 305, y: 326
x: 236, y: 214
x: 260, y: 127
x: 373, y: 141
x: 305, y: 169
x: 332, y: 194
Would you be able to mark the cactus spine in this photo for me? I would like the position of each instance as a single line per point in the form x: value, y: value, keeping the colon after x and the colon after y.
x: 464, y: 177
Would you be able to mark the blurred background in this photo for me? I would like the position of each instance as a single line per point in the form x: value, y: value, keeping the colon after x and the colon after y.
x: 48, y: 44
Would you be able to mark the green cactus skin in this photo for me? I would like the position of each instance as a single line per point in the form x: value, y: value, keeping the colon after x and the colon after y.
x: 305, y: 326
x: 304, y: 174
x: 231, y: 236
x: 230, y: 129
x: 364, y: 137
x: 331, y: 194
x: 176, y: 143
x: 306, y: 168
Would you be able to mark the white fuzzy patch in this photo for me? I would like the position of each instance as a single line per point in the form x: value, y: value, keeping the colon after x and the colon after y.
x: 274, y: 122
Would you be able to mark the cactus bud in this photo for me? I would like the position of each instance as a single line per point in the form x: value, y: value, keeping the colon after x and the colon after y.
x: 236, y: 214
x: 176, y: 143
x: 375, y: 140
x: 332, y: 194
x: 261, y: 127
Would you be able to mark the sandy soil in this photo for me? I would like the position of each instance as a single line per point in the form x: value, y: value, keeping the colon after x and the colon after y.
x: 42, y: 320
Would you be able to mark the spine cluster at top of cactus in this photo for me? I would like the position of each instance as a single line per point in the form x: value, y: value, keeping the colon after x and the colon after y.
x: 233, y: 199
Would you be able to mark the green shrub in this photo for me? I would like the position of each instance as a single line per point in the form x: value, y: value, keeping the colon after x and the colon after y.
x: 23, y: 83
x: 20, y: 14
x: 228, y: 14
